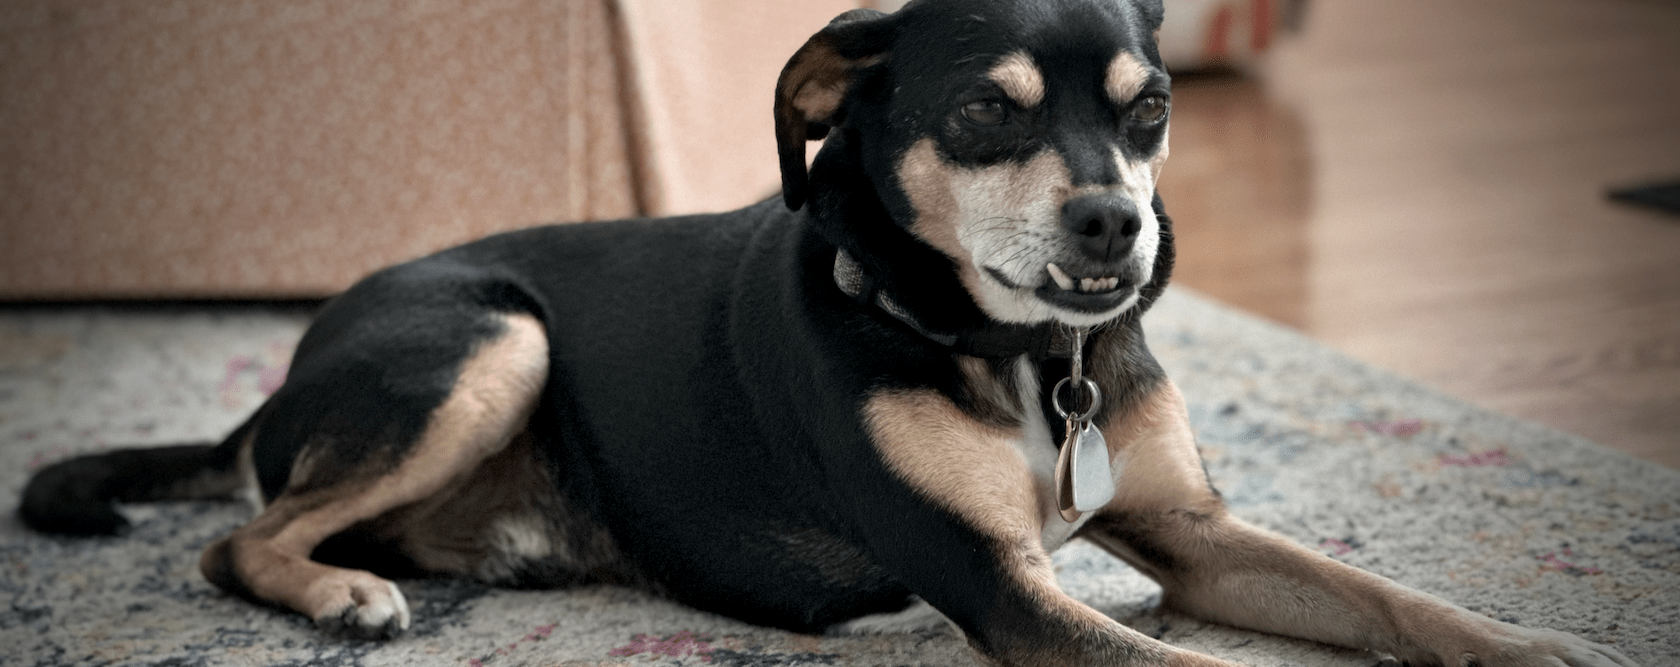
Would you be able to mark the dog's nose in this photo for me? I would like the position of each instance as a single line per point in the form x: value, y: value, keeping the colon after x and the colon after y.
x: 1105, y: 225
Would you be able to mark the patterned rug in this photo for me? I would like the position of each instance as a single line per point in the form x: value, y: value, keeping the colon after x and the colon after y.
x: 1507, y: 518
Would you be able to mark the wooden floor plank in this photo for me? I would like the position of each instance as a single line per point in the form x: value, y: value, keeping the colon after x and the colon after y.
x: 1421, y: 183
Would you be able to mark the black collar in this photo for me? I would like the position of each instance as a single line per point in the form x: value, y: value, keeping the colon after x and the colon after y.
x: 995, y: 341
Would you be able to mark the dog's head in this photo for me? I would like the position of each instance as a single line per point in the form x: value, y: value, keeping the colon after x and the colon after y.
x: 1022, y: 140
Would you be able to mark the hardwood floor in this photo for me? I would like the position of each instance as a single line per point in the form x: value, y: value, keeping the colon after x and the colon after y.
x: 1421, y: 183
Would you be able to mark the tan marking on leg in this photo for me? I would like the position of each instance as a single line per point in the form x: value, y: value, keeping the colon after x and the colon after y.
x: 1156, y: 462
x: 1019, y: 78
x: 972, y: 469
x: 968, y: 467
x: 964, y: 465
x: 1126, y: 76
x: 493, y: 523
x: 493, y: 396
x: 335, y: 598
x: 483, y: 523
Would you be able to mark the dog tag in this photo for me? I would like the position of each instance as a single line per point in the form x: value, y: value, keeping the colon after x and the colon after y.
x: 1064, y: 474
x: 1093, y: 479
x: 1084, y: 478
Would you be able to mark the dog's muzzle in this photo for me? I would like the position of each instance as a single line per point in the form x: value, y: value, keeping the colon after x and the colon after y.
x: 1097, y: 274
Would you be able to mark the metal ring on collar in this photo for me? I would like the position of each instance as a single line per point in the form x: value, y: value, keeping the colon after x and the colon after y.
x: 1096, y: 399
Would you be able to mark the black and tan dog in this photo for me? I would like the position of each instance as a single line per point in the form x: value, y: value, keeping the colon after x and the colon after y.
x: 810, y: 411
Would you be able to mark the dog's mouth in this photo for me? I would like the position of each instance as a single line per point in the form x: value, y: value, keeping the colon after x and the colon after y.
x: 1091, y: 294
x: 1095, y: 293
x: 1066, y: 282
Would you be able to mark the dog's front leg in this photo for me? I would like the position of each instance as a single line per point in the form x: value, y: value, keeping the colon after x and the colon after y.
x: 1167, y: 521
x: 982, y: 562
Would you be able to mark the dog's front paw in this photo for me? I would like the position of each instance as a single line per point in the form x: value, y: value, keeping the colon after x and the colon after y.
x: 1513, y: 646
x: 360, y: 605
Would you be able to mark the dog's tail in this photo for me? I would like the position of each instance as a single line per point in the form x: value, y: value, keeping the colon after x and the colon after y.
x: 76, y: 496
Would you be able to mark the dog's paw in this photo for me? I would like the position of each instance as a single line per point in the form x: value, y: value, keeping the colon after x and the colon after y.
x: 1513, y: 646
x: 360, y: 605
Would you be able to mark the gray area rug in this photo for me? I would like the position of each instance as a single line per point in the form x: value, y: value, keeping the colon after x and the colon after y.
x: 1507, y: 518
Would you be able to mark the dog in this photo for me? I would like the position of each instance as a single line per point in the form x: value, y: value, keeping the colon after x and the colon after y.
x: 891, y: 394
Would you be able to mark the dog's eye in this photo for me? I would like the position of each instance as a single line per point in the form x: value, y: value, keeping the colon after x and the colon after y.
x: 1149, y: 109
x: 985, y: 112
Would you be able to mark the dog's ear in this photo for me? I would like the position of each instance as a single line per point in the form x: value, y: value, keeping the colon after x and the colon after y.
x: 1151, y: 12
x: 815, y: 82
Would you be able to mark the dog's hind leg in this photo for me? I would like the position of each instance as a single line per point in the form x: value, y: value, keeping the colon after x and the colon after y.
x: 495, y: 388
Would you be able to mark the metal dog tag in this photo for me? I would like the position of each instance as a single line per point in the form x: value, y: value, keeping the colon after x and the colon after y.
x: 1093, y: 479
x: 1064, y: 474
x: 1084, y: 478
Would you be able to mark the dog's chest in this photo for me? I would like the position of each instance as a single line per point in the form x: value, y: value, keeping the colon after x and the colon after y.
x: 1037, y: 446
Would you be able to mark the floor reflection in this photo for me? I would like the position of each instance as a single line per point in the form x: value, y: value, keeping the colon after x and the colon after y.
x: 1239, y: 189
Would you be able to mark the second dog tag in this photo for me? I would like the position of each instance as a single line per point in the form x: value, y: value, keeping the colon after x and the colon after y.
x: 1084, y: 478
x: 1093, y: 479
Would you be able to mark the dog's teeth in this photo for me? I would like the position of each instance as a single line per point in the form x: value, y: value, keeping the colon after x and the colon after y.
x: 1063, y: 280
x: 1084, y: 285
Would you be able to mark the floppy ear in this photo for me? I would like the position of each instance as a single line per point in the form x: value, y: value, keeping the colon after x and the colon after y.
x: 815, y: 82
